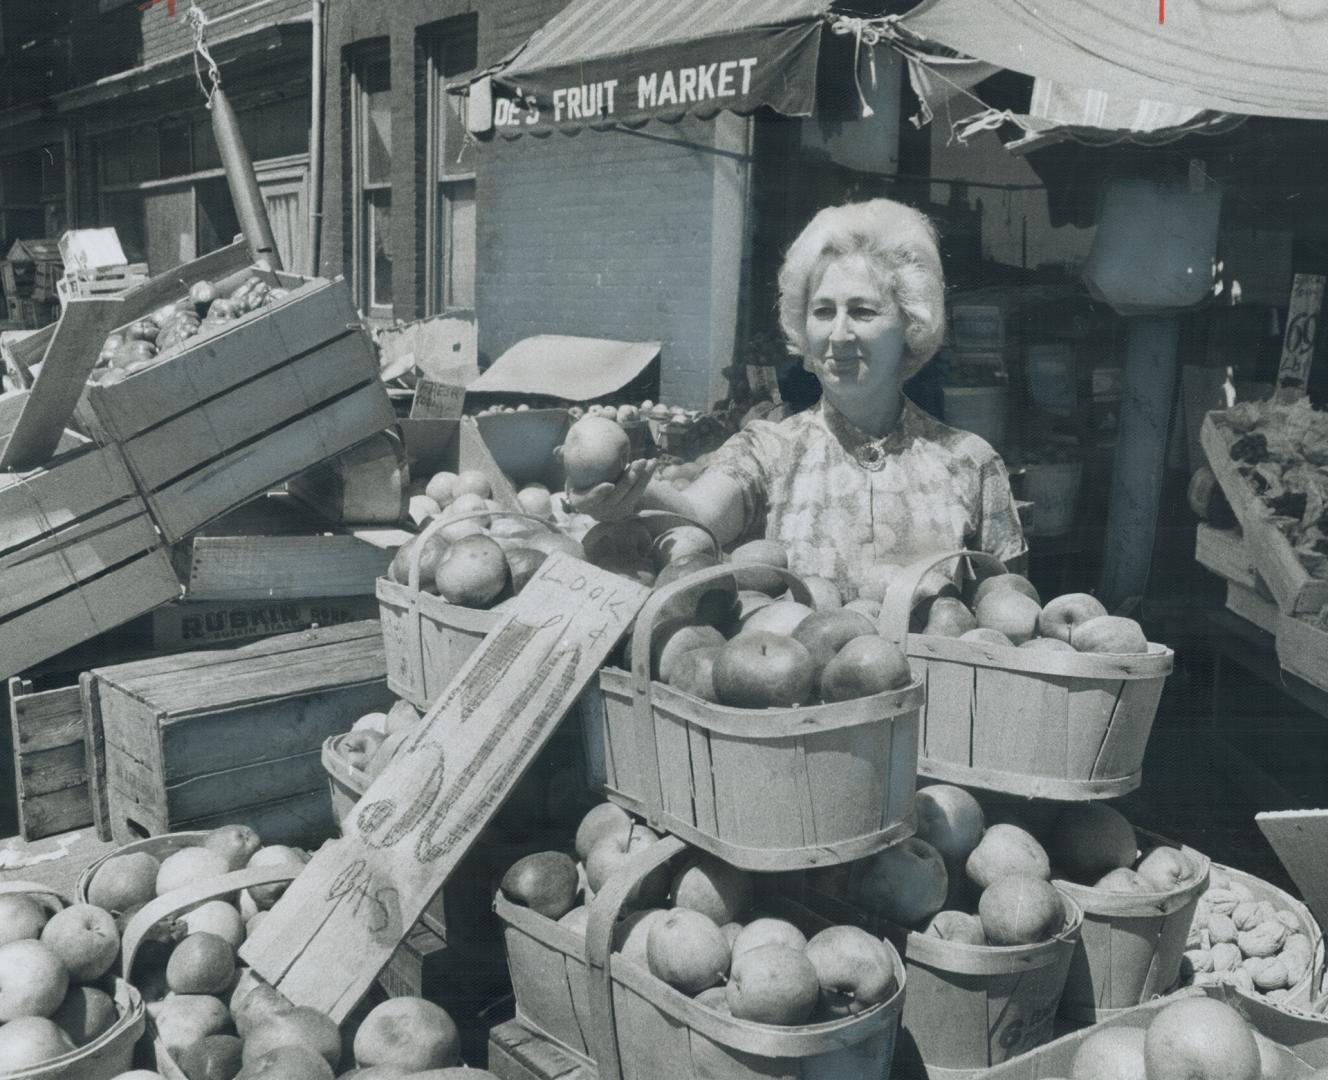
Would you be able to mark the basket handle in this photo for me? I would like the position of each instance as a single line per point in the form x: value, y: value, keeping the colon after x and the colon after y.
x: 604, y: 912
x: 173, y: 903
x: 897, y: 607
x: 413, y: 572
x: 642, y: 632
x: 53, y: 900
x: 682, y: 519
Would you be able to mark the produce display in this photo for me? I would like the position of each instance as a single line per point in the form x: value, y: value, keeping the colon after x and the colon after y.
x: 701, y: 930
x: 1282, y: 451
x: 203, y: 311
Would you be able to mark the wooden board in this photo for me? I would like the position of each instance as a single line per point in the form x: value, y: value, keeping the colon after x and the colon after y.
x: 1302, y: 649
x: 1272, y: 555
x: 517, y: 1053
x: 1252, y: 605
x: 1223, y: 552
x: 235, y: 568
x: 199, y: 624
x: 1300, y: 839
x: 337, y: 926
x: 69, y: 360
x: 54, y: 861
x: 50, y: 763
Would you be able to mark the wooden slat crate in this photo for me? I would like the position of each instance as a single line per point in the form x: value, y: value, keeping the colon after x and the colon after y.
x: 206, y: 738
x: 1254, y: 605
x: 1302, y: 649
x: 50, y: 765
x: 245, y: 407
x: 105, y: 280
x: 78, y: 552
x: 189, y: 624
x: 1294, y: 589
x: 1223, y: 552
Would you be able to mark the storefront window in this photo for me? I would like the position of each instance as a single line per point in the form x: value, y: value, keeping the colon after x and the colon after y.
x: 453, y: 48
x: 372, y: 119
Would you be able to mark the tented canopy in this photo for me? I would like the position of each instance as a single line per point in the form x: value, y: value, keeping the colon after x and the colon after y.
x: 601, y: 62
x: 1257, y: 57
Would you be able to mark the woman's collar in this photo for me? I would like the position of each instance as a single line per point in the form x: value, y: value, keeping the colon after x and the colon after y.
x: 854, y: 439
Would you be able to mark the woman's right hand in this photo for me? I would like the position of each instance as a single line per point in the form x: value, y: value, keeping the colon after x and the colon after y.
x: 617, y: 501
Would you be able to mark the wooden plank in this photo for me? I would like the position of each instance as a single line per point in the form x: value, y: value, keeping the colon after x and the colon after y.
x: 45, y: 720
x: 94, y: 751
x: 196, y: 624
x: 339, y: 923
x: 948, y: 713
x: 51, y: 503
x: 59, y: 812
x: 1300, y: 837
x: 234, y: 568
x: 48, y: 771
x: 1223, y: 552
x: 69, y: 360
x: 50, y: 761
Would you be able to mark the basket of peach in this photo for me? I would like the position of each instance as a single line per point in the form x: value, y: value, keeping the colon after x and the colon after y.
x: 1050, y: 701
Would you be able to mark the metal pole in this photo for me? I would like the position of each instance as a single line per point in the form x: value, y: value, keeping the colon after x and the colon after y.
x: 248, y: 200
x: 316, y: 139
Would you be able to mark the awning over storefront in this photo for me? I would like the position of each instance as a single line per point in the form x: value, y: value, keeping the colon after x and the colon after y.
x: 604, y: 62
x: 1256, y: 57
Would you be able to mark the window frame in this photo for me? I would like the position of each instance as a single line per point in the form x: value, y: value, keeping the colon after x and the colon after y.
x: 363, y: 189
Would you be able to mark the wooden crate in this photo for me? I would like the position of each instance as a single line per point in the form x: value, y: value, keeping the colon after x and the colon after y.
x: 105, y: 280
x: 188, y: 624
x: 1292, y: 586
x: 78, y: 552
x: 207, y: 738
x: 1254, y: 605
x: 1223, y: 552
x: 50, y: 763
x: 517, y: 1052
x: 1302, y: 649
x: 276, y: 549
x: 235, y: 411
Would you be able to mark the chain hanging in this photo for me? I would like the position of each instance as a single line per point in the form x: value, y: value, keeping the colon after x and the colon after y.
x: 198, y: 23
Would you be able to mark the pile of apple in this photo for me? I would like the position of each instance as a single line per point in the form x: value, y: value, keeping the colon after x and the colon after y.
x: 1006, y: 610
x: 697, y: 930
x: 143, y: 343
x: 1245, y: 942
x: 1189, y: 1039
x: 480, y: 561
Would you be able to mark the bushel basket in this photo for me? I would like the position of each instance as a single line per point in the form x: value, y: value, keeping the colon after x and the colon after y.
x: 764, y: 789
x: 1059, y: 725
x: 615, y: 1015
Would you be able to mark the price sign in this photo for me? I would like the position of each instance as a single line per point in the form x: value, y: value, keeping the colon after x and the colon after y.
x: 342, y: 918
x: 437, y: 401
x: 1302, y: 330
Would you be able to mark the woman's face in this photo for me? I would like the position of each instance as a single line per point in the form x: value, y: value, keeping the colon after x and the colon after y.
x: 854, y: 333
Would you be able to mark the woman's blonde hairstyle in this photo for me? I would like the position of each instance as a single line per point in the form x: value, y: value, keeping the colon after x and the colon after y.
x: 899, y: 244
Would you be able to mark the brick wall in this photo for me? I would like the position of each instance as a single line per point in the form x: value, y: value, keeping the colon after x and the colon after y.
x: 166, y: 35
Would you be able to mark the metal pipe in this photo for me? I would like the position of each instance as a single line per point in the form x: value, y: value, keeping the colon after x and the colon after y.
x: 316, y: 139
x: 240, y: 178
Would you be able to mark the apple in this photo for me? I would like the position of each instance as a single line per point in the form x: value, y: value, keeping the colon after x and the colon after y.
x: 189, y: 866
x: 85, y: 938
x: 758, y: 670
x: 950, y: 820
x: 234, y: 843
x: 1018, y: 909
x: 546, y: 882
x: 1006, y: 849
x: 948, y: 617
x: 905, y: 883
x: 297, y: 1026
x: 85, y: 1013
x: 869, y: 608
x: 781, y: 617
x: 183, y: 1019
x: 213, y: 1057
x: 201, y: 963
x: 694, y: 674
x: 374, y: 721
x: 402, y: 716
x: 876, y: 580
x: 714, y: 888
x: 536, y: 500
x: 1064, y: 613
x: 1017, y: 582
x: 773, y: 984
x: 472, y: 482
x: 825, y: 593
x: 287, y: 1063
x: 595, y: 450
x: 1115, y: 1053
x: 679, y: 542
x: 358, y: 747
x: 1047, y: 644
x: 522, y: 562
x: 854, y: 970
x: 410, y: 1032
x: 1090, y: 839
x: 865, y: 666
x: 264, y: 896
x: 1123, y: 880
x: 984, y: 635
x: 442, y: 487
x: 752, y: 557
x: 21, y: 918
x: 473, y: 572
x: 687, y: 950
x: 1166, y: 868
x: 603, y: 820
x: 717, y: 998
x: 1010, y: 612
x: 764, y: 931
x: 124, y: 881
x: 957, y: 926
x: 33, y: 980
x: 632, y: 934
x: 258, y: 1005
x: 31, y: 1040
x: 1200, y: 1039
x: 824, y: 633
x: 611, y: 852
x: 576, y: 920
x: 1110, y: 634
x: 670, y: 643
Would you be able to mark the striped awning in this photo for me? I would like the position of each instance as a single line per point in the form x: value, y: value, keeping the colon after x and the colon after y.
x: 604, y: 62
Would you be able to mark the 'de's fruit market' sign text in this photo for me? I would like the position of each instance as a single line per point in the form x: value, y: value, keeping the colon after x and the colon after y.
x: 774, y: 66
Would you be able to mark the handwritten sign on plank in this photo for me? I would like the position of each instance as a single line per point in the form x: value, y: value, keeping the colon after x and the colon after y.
x: 1300, y: 838
x: 341, y: 919
x: 1301, y: 332
x: 437, y: 401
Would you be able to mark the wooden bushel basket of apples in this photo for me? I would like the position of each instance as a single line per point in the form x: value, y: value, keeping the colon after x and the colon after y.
x: 768, y: 780
x: 65, y: 1015
x: 1053, y: 702
x: 641, y: 990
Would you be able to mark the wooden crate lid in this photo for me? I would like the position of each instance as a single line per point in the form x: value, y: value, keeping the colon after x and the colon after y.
x: 279, y: 666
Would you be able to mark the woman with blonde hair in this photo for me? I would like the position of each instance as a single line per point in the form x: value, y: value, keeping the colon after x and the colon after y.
x: 865, y: 477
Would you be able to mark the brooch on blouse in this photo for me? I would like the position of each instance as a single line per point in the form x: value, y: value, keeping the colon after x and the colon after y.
x: 871, y: 456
